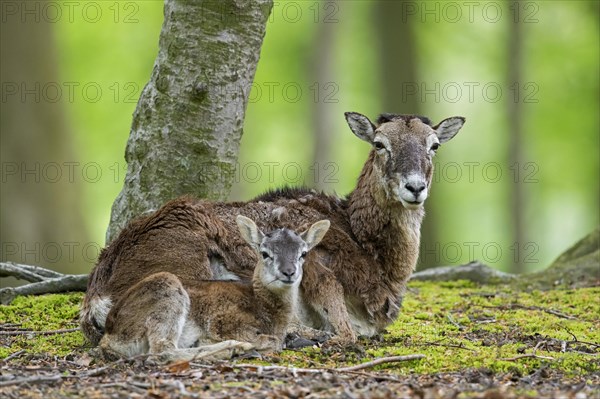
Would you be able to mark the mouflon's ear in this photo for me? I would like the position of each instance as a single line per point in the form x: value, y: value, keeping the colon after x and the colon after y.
x: 448, y: 128
x: 249, y: 231
x: 361, y: 126
x: 315, y: 233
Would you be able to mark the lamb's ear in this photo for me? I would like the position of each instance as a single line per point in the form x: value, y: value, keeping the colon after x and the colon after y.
x: 249, y: 231
x: 361, y: 126
x: 448, y: 128
x: 315, y: 233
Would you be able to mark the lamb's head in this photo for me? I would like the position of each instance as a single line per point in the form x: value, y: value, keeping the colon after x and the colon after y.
x: 281, y: 252
x: 403, y: 150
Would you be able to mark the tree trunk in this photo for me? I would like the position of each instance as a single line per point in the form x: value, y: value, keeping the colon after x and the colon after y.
x: 398, y: 60
x: 188, y: 122
x: 515, y: 117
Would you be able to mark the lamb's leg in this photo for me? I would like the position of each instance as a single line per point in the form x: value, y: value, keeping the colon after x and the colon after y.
x: 219, y: 351
x: 243, y: 327
x: 148, y: 319
x: 267, y: 343
x: 296, y: 326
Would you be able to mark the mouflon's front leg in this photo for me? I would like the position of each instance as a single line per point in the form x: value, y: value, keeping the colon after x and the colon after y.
x: 325, y: 295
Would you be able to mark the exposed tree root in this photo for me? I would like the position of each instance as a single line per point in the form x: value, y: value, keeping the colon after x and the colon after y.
x: 43, y: 281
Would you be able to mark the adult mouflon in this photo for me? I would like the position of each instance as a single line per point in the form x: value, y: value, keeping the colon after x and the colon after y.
x: 353, y: 280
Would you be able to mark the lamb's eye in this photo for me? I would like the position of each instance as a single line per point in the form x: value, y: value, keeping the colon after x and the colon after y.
x: 435, y: 146
x: 378, y: 145
x: 265, y: 255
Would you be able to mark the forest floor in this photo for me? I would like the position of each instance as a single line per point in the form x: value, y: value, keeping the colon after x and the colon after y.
x: 477, y: 341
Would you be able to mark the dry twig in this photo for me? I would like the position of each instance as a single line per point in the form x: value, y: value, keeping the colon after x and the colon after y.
x: 533, y: 355
x: 294, y: 370
x: 13, y: 355
x: 38, y: 379
x: 519, y: 306
x: 33, y: 332
x: 43, y: 281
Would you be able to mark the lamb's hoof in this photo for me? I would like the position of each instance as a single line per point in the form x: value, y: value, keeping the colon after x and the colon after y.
x: 158, y: 359
x: 295, y: 341
x: 251, y: 354
x: 105, y: 354
x: 298, y: 342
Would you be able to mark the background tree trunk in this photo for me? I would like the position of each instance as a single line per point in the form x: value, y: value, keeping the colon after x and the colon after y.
x: 515, y: 121
x: 322, y: 73
x: 188, y: 122
x: 398, y: 60
x: 40, y: 201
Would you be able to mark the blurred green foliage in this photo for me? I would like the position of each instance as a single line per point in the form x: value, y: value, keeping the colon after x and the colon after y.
x: 461, y: 62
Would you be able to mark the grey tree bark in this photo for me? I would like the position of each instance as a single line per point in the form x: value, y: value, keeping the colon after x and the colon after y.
x: 188, y: 122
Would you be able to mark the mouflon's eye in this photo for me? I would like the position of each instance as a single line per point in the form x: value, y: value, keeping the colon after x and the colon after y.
x: 378, y: 145
x: 435, y: 146
x: 265, y: 255
x: 303, y: 254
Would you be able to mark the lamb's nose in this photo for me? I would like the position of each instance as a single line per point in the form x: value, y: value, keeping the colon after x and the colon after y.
x: 415, y: 188
x: 289, y: 273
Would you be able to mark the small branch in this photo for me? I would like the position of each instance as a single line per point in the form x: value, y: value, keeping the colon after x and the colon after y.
x: 558, y: 314
x: 454, y: 322
x: 537, y: 346
x: 382, y: 360
x: 577, y: 341
x: 519, y: 306
x: 101, y: 370
x: 445, y: 345
x: 12, y: 270
x: 32, y: 380
x: 27, y: 272
x: 585, y: 343
x: 68, y: 282
x: 570, y: 333
x: 376, y: 362
x: 32, y: 332
x: 512, y: 359
x: 584, y: 353
x: 12, y: 356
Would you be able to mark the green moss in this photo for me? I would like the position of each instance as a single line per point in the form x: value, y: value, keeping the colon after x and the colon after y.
x: 455, y: 325
x: 42, y: 313
x: 461, y: 326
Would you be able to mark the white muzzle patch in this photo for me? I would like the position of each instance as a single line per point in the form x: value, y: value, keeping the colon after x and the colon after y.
x: 412, y: 191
